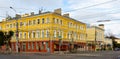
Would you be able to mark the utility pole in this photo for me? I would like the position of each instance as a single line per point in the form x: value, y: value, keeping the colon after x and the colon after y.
x: 60, y: 40
x: 16, y: 30
x: 95, y: 38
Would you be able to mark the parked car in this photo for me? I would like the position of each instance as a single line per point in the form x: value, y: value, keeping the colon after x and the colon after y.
x: 117, y: 49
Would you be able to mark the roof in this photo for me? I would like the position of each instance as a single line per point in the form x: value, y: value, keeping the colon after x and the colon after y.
x: 95, y: 27
x: 69, y: 18
x: 47, y: 13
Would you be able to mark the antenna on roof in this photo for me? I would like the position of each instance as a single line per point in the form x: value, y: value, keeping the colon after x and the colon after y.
x: 8, y: 17
x: 40, y: 10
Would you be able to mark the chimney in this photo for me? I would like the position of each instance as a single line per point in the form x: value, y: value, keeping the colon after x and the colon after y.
x: 4, y: 19
x: 32, y: 13
x: 17, y: 16
x: 25, y: 15
x: 58, y: 11
x: 101, y: 26
x: 40, y: 11
x: 66, y: 15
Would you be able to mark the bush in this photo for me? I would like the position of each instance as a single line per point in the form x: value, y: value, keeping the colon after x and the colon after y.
x: 98, y: 49
x: 109, y: 48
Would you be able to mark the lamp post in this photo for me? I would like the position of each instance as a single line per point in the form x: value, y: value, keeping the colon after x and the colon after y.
x: 95, y: 39
x: 16, y: 30
x: 60, y: 40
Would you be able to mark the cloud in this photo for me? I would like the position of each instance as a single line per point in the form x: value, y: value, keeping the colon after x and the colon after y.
x: 108, y: 11
x: 27, y: 6
x: 117, y: 15
x: 87, y: 15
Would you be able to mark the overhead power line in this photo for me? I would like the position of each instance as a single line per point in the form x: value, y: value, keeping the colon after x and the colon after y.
x: 91, y: 6
x: 99, y: 14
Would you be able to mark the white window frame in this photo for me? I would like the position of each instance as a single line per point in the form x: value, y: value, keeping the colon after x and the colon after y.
x: 47, y: 20
x: 42, y: 33
x: 37, y: 34
x: 55, y: 32
x: 33, y: 34
x: 20, y: 34
x: 24, y: 35
x: 47, y: 33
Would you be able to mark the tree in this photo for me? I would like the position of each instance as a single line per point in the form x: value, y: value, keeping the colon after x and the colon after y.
x: 5, y: 38
x: 1, y: 38
x: 11, y: 33
x: 8, y: 38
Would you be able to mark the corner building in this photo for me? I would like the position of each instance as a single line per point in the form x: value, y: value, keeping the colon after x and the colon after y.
x: 44, y: 31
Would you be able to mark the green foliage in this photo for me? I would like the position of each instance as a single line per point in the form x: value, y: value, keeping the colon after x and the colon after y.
x: 5, y: 38
x: 117, y: 45
x: 1, y: 38
x: 113, y: 40
x: 109, y: 48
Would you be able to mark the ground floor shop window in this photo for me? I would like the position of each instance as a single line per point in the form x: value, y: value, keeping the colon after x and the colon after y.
x: 23, y: 46
x: 28, y: 45
x: 33, y: 45
x: 42, y: 45
x: 37, y: 45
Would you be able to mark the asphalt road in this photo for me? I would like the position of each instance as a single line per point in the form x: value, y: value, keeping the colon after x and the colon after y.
x: 85, y: 55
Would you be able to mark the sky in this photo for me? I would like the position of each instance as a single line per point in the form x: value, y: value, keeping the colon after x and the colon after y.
x: 87, y: 11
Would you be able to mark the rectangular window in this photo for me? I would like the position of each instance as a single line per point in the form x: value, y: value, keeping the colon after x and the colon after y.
x: 55, y: 33
x: 42, y: 33
x: 38, y: 21
x: 28, y: 45
x: 33, y: 45
x: 33, y: 34
x: 43, y: 20
x: 47, y: 33
x: 24, y: 35
x: 34, y: 22
x: 37, y: 34
x: 20, y: 35
x: 47, y: 20
x: 29, y: 22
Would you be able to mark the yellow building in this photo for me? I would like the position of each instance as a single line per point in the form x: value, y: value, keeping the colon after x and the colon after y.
x: 42, y: 32
x: 117, y: 40
x: 95, y: 37
x: 108, y: 43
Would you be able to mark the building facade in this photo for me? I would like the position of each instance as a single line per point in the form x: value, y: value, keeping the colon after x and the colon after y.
x: 46, y: 32
x: 95, y: 37
x: 108, y: 43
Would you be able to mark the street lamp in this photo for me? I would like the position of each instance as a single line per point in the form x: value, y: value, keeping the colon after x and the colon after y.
x: 16, y: 30
x: 60, y: 43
